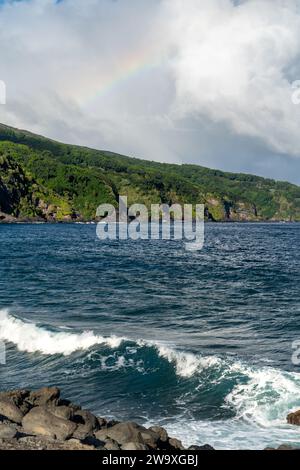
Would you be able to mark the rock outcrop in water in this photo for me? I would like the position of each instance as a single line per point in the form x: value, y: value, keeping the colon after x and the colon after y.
x: 42, y: 420
x: 294, y: 418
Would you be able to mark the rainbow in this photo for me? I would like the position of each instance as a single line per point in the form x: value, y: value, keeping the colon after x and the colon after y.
x: 130, y: 67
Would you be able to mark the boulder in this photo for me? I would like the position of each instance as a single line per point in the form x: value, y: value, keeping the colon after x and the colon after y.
x: 63, y: 412
x: 44, y: 396
x: 7, y: 431
x: 150, y: 438
x: 86, y: 422
x: 9, y: 410
x: 122, y: 433
x: 18, y: 397
x: 161, y: 432
x: 176, y: 444
x: 129, y: 432
x: 294, y: 418
x: 134, y: 446
x: 111, y: 445
x: 40, y: 421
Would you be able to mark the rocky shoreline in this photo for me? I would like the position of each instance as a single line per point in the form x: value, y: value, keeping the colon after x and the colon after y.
x: 42, y: 420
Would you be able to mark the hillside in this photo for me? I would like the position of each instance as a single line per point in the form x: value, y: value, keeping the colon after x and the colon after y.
x: 41, y: 179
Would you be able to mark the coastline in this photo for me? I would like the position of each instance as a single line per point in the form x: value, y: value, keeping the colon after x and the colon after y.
x: 42, y: 420
x: 94, y: 222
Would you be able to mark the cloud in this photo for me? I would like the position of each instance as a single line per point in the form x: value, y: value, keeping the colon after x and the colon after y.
x: 233, y: 64
x: 207, y: 81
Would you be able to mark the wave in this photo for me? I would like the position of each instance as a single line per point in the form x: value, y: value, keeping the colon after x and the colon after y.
x: 31, y: 338
x: 260, y: 396
x: 186, y: 364
x: 261, y: 399
x: 267, y: 396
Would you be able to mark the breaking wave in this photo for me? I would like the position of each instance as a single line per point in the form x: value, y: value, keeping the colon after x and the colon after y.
x: 260, y: 397
x: 31, y: 338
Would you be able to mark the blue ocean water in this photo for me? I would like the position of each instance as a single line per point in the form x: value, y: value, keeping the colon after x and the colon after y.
x: 200, y: 342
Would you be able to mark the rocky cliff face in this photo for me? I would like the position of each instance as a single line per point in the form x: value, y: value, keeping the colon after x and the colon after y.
x: 23, y: 199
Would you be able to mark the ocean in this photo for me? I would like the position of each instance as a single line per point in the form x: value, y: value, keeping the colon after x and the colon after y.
x: 199, y: 342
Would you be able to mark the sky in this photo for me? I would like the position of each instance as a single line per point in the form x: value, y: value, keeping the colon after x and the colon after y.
x: 209, y: 82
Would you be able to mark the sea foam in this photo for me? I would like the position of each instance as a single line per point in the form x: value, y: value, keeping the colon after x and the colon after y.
x: 31, y: 338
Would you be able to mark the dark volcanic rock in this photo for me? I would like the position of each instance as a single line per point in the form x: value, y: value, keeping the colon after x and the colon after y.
x: 161, y: 432
x: 294, y: 418
x: 19, y: 398
x: 122, y: 433
x: 64, y: 412
x: 44, y: 396
x: 9, y: 410
x: 44, y: 421
x: 176, y: 444
x: 86, y: 422
x: 39, y: 421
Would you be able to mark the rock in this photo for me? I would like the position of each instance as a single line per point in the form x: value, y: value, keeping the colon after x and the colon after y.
x: 122, y: 433
x: 64, y: 402
x: 294, y: 418
x: 9, y: 410
x: 38, y: 443
x: 150, y: 438
x: 161, y: 432
x: 176, y: 444
x: 102, y: 422
x: 93, y: 441
x: 87, y: 419
x: 63, y: 412
x: 73, y: 408
x: 44, y: 396
x: 134, y: 446
x: 86, y: 422
x: 40, y: 421
x: 7, y: 431
x: 52, y: 423
x: 282, y: 447
x: 111, y: 445
x: 18, y: 397
x: 75, y: 444
x: 205, y: 447
x: 112, y: 423
x: 285, y: 447
x: 32, y: 439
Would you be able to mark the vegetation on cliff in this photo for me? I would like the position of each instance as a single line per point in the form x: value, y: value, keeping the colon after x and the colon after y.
x: 44, y: 179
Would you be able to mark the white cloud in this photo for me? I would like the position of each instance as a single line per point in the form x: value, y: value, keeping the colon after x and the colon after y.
x: 206, y: 81
x: 232, y: 65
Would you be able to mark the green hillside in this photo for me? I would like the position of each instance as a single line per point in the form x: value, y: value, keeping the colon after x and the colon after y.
x: 41, y: 179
